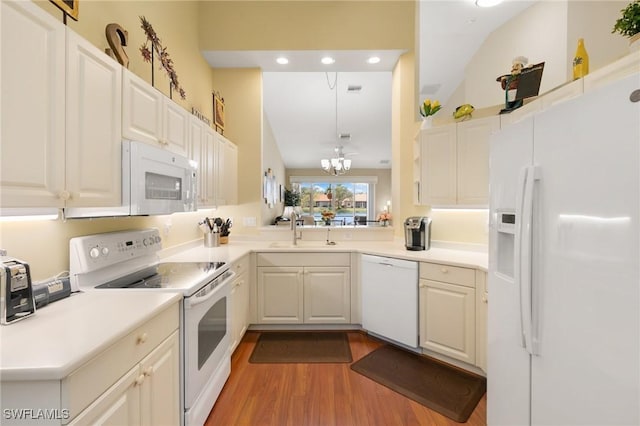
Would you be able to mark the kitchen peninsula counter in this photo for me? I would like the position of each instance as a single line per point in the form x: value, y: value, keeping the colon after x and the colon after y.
x: 62, y: 336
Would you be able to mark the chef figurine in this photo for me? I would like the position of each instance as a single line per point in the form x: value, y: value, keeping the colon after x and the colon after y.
x: 509, y: 82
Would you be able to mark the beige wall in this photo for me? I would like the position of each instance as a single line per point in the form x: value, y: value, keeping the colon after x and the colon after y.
x: 306, y: 25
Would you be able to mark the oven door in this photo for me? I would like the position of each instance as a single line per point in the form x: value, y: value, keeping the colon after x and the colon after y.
x: 206, y: 341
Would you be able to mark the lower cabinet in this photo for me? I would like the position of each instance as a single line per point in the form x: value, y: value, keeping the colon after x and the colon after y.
x: 448, y: 311
x: 239, y: 301
x: 148, y: 394
x: 307, y: 289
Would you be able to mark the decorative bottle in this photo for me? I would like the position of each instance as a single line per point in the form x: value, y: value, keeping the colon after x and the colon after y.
x: 580, y: 61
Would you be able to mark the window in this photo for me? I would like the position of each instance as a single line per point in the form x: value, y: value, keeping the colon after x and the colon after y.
x: 351, y: 200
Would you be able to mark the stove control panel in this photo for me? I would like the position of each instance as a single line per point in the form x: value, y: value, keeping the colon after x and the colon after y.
x: 93, y: 252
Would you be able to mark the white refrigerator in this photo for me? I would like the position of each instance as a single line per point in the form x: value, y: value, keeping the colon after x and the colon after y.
x: 564, y: 264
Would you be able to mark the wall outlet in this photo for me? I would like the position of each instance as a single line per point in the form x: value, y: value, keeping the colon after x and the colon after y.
x: 166, y: 229
x: 347, y: 236
x: 250, y: 222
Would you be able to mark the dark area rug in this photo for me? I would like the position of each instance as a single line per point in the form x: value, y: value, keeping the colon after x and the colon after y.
x: 448, y: 390
x: 301, y: 347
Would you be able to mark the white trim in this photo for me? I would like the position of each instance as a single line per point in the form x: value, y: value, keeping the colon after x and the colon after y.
x: 334, y: 179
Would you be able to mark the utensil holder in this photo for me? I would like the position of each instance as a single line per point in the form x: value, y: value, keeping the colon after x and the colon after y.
x: 211, y: 239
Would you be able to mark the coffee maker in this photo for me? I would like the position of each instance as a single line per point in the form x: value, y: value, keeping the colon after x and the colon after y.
x: 417, y: 233
x: 16, y: 291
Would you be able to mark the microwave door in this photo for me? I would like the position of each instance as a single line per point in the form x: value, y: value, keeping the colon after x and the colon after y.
x: 160, y: 181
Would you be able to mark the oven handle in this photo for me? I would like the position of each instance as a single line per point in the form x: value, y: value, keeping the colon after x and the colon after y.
x: 195, y: 300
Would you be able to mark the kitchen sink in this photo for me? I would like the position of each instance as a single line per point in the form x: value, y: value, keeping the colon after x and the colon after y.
x: 302, y: 244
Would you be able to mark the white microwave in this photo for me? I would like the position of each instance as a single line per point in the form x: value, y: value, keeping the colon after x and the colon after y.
x: 154, y: 182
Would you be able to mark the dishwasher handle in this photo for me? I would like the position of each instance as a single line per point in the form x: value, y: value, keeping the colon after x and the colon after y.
x: 390, y: 262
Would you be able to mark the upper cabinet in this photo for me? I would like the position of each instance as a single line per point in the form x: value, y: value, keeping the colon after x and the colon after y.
x: 454, y: 163
x: 33, y: 107
x: 149, y: 116
x: 227, y: 176
x: 61, y: 112
x: 217, y: 159
x: 93, y: 125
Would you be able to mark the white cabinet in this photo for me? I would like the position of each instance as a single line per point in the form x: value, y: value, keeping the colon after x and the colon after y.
x: 309, y: 288
x: 447, y: 311
x: 482, y: 312
x: 217, y: 159
x: 239, y: 301
x: 133, y: 382
x: 33, y: 107
x: 148, y: 394
x: 226, y: 177
x: 454, y: 163
x: 93, y: 126
x: 149, y: 116
x: 61, y: 115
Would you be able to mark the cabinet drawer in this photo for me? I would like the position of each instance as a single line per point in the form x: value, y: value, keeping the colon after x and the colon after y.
x: 241, y: 265
x: 85, y: 384
x: 304, y: 259
x: 448, y: 274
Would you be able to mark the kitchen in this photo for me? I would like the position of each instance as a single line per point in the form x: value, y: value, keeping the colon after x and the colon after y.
x: 241, y: 89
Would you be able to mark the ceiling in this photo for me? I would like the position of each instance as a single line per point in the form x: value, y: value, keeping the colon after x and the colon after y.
x: 301, y: 107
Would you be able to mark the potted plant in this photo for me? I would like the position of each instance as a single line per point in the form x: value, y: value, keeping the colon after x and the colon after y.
x: 291, y: 198
x: 629, y: 24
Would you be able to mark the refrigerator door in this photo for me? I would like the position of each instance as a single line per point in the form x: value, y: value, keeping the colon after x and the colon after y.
x: 586, y: 260
x: 508, y: 366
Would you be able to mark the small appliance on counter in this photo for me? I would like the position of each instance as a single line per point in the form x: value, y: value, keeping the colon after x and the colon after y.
x: 16, y: 291
x: 417, y: 233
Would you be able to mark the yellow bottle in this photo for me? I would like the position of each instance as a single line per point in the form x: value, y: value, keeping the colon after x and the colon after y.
x: 580, y: 61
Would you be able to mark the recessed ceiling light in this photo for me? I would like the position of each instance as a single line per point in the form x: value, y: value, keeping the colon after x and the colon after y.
x: 327, y: 60
x: 282, y: 60
x: 373, y: 60
x: 488, y: 3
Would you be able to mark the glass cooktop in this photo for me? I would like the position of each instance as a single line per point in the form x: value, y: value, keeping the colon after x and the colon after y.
x: 171, y: 275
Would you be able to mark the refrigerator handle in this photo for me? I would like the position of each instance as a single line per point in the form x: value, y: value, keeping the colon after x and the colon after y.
x: 525, y: 259
x: 517, y: 256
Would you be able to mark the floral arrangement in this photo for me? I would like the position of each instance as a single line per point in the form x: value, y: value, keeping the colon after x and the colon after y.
x: 384, y: 217
x: 165, y: 61
x: 429, y: 108
x: 327, y: 214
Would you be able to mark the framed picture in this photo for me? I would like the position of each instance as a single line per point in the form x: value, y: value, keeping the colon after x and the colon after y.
x: 218, y: 112
x: 69, y: 7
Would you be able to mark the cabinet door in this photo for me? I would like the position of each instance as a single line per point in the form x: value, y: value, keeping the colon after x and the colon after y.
x: 447, y: 319
x: 438, y: 155
x: 160, y: 390
x: 240, y: 309
x: 210, y: 158
x: 327, y: 295
x: 141, y: 110
x: 229, y: 180
x: 196, y: 153
x: 175, y: 127
x: 473, y: 160
x: 94, y: 125
x: 33, y: 106
x: 118, y: 406
x: 280, y: 295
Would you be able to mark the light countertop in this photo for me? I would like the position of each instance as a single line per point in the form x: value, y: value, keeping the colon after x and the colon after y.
x: 196, y: 252
x: 62, y: 336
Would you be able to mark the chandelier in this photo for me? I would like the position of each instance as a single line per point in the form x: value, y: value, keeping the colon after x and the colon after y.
x: 337, y: 165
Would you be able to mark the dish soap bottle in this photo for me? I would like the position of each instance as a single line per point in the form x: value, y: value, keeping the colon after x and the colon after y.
x: 580, y: 61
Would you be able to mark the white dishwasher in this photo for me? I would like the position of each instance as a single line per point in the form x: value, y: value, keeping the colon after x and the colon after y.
x: 390, y: 298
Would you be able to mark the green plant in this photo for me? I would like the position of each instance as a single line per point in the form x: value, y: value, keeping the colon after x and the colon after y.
x: 291, y: 198
x: 629, y: 23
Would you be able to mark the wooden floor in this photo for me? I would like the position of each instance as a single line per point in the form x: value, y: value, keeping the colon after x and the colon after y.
x: 317, y: 394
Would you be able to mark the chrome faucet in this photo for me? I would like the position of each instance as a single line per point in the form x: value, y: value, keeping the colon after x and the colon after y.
x: 294, y: 228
